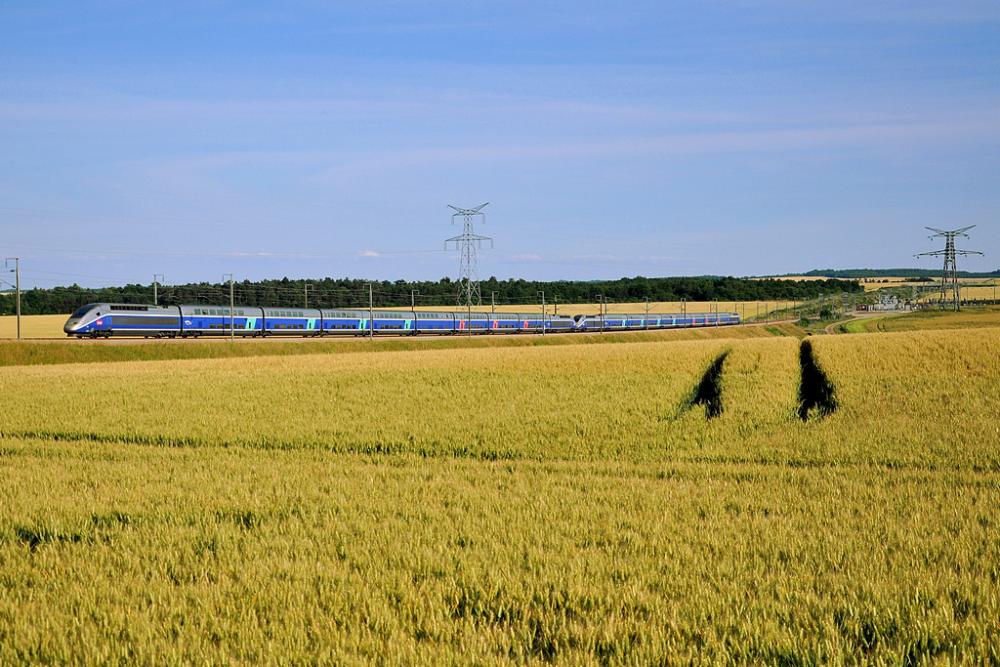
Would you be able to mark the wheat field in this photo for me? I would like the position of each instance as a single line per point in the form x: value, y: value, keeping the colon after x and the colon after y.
x: 33, y: 326
x: 990, y: 291
x: 569, y: 503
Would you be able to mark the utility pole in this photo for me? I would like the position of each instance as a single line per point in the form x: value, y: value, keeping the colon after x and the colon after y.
x: 555, y: 310
x: 493, y: 302
x: 232, y: 302
x: 371, y: 314
x: 600, y: 309
x: 305, y: 295
x: 17, y: 290
x: 413, y: 299
x: 684, y: 307
x: 645, y: 320
x: 157, y: 277
x: 468, y: 244
x: 949, y: 274
x: 542, y: 294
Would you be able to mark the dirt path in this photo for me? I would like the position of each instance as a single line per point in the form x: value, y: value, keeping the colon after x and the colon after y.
x: 832, y: 327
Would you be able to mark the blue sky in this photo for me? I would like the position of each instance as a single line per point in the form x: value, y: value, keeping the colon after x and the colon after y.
x: 310, y: 139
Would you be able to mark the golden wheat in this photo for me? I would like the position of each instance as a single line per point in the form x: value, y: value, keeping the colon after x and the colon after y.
x: 569, y: 503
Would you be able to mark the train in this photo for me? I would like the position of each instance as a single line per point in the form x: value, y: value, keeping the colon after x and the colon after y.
x: 104, y: 320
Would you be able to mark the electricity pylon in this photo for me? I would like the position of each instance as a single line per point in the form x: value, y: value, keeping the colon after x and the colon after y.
x: 468, y: 244
x: 949, y: 275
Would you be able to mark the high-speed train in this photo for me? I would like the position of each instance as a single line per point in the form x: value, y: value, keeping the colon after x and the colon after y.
x: 103, y: 320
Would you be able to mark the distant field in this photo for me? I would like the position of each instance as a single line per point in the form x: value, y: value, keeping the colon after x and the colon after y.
x: 882, y: 282
x: 968, y: 318
x: 546, y: 503
x: 873, y: 284
x: 33, y: 326
x: 869, y: 284
x: 988, y: 292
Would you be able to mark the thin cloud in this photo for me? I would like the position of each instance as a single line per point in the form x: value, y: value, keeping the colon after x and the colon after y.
x: 864, y: 136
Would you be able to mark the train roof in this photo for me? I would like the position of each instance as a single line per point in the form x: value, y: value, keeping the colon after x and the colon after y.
x: 364, y: 313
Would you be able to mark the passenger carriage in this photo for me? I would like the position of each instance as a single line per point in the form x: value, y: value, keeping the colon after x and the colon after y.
x: 110, y: 319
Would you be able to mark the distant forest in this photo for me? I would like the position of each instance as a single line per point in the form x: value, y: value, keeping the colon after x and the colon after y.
x: 346, y: 292
x: 854, y: 274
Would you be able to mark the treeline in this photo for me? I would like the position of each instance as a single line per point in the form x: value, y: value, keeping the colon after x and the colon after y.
x: 347, y: 293
x: 854, y: 274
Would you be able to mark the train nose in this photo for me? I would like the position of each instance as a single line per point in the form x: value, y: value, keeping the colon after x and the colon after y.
x: 70, y: 325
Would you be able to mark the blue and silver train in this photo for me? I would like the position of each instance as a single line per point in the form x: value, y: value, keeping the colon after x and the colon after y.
x: 103, y: 320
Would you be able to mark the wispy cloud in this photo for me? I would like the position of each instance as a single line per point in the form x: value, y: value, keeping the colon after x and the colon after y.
x: 874, y: 136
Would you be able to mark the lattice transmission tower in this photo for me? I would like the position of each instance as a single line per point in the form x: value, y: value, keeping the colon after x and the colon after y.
x: 949, y: 275
x: 468, y: 244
